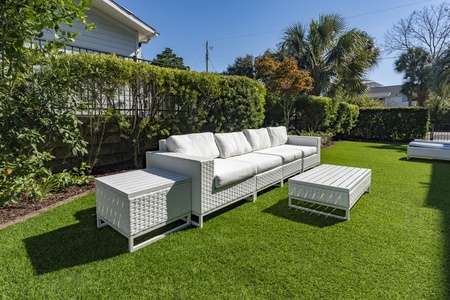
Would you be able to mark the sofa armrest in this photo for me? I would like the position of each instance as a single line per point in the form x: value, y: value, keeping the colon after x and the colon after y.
x: 200, y: 170
x: 305, y: 141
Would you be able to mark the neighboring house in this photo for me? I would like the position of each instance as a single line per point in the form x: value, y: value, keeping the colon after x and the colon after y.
x: 117, y: 31
x: 391, y: 95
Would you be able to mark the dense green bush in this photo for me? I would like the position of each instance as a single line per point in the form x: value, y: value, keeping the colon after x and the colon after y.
x: 160, y: 101
x: 325, y: 114
x: 390, y: 124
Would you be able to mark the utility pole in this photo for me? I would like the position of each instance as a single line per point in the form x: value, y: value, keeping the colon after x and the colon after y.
x: 207, y: 56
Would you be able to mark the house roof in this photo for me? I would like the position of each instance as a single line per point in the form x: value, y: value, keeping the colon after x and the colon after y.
x: 385, y: 91
x: 123, y: 15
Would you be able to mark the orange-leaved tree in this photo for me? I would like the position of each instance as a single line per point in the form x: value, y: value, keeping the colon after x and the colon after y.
x: 284, y: 81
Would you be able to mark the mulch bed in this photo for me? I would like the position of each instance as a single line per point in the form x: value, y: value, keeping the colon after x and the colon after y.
x: 15, y: 212
x: 26, y: 208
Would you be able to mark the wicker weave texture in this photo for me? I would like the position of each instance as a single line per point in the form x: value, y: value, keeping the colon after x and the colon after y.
x: 292, y: 168
x: 114, y: 209
x: 141, y: 212
x: 269, y: 178
x: 311, y: 161
x: 428, y: 153
x: 205, y: 198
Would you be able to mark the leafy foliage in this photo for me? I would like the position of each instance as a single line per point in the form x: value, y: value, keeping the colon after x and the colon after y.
x: 337, y: 59
x: 322, y: 114
x: 284, y: 80
x: 163, y: 101
x: 38, y: 103
x: 415, y: 63
x: 243, y: 66
x: 391, y: 124
x: 168, y: 59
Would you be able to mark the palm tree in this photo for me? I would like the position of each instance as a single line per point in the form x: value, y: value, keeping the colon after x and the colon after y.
x: 415, y: 63
x: 442, y: 73
x: 337, y: 59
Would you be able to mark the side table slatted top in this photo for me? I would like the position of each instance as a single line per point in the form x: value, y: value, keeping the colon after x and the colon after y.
x: 134, y: 183
x: 329, y: 185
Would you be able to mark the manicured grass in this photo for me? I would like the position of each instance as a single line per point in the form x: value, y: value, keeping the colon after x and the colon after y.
x: 396, y: 245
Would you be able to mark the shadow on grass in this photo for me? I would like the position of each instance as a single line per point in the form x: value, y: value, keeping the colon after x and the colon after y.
x: 399, y: 147
x: 281, y: 209
x: 439, y: 198
x: 74, y: 245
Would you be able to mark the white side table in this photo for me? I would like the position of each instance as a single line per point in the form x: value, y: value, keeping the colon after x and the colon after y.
x: 138, y: 202
x: 329, y: 185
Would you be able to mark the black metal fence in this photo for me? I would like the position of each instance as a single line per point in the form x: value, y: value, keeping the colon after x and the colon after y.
x: 122, y: 101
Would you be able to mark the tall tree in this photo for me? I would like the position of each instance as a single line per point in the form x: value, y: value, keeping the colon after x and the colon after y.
x: 442, y: 74
x: 284, y: 81
x: 243, y: 66
x: 428, y: 28
x: 169, y: 59
x: 415, y: 64
x: 337, y: 59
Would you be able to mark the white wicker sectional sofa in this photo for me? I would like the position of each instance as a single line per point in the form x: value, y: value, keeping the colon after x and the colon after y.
x: 227, y: 167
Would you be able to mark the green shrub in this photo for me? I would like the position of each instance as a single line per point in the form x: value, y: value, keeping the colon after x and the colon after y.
x: 323, y: 114
x: 163, y: 101
x: 390, y: 124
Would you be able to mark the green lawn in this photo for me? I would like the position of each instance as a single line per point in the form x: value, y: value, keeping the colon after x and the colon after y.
x: 396, y: 245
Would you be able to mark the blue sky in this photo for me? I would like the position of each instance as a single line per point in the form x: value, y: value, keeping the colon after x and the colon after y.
x: 237, y: 28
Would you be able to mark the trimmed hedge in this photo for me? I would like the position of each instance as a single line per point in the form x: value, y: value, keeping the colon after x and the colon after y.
x: 150, y: 102
x: 326, y: 114
x: 390, y: 124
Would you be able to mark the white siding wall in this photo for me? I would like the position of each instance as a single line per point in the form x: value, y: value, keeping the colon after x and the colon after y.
x: 109, y: 36
x: 396, y: 101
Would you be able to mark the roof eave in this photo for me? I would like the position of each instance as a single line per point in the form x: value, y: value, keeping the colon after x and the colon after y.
x: 145, y: 32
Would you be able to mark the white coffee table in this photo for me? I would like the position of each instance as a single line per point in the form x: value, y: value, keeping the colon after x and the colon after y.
x: 329, y: 185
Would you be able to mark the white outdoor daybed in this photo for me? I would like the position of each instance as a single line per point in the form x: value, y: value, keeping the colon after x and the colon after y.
x: 429, y: 149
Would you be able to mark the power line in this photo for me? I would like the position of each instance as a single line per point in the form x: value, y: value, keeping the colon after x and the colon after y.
x: 354, y: 16
x: 387, y: 9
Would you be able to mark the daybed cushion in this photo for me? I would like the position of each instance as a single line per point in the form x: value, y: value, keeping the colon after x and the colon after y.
x: 263, y: 163
x: 227, y: 171
x: 429, y: 145
x: 258, y: 138
x: 232, y: 144
x: 278, y: 135
x: 196, y: 144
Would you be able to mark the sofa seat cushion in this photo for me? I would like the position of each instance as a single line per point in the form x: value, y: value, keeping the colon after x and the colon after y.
x: 232, y: 144
x: 278, y: 135
x: 229, y: 171
x: 258, y: 138
x: 196, y: 144
x: 262, y: 162
x: 307, y: 150
x: 289, y: 152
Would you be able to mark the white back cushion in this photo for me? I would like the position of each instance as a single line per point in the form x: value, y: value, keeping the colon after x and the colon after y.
x: 278, y: 135
x: 196, y: 144
x: 258, y: 138
x: 232, y: 144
